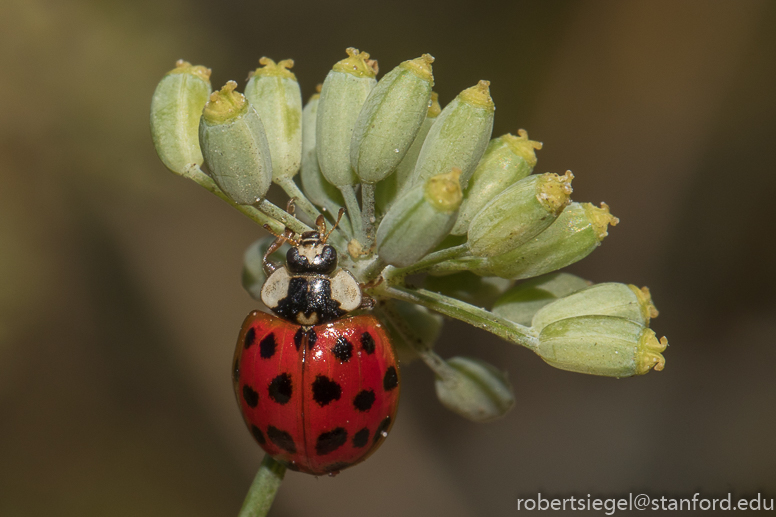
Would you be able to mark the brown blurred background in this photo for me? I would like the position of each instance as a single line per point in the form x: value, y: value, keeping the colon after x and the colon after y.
x: 119, y: 282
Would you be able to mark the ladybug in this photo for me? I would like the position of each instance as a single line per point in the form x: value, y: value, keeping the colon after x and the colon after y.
x: 317, y: 389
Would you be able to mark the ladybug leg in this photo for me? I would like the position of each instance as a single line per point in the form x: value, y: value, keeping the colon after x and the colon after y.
x: 321, y: 223
x: 367, y: 302
x: 280, y: 239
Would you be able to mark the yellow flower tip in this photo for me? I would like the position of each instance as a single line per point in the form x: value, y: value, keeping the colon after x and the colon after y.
x: 478, y: 95
x: 600, y: 218
x: 224, y: 104
x: 271, y: 69
x: 357, y: 63
x: 644, y: 298
x: 522, y: 146
x: 443, y: 191
x: 434, y: 109
x: 184, y: 67
x: 318, y: 87
x: 648, y: 352
x: 554, y: 191
x: 421, y: 67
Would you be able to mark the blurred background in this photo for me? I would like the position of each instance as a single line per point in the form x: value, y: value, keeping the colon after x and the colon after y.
x: 120, y: 296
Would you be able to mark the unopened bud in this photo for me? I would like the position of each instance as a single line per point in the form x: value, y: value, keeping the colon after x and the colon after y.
x: 412, y: 328
x: 390, y: 119
x: 474, y: 389
x: 468, y: 287
x: 607, y: 299
x: 601, y: 345
x: 175, y: 110
x: 419, y: 220
x: 519, y: 213
x: 274, y: 93
x: 521, y: 302
x: 344, y: 91
x: 253, y: 275
x: 235, y: 146
x: 507, y: 160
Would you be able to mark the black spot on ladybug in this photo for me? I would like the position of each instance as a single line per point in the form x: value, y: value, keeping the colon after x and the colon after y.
x: 250, y: 396
x: 343, y: 350
x: 368, y: 343
x: 364, y: 400
x: 258, y: 435
x: 298, y: 337
x: 361, y: 438
x: 325, y: 390
x: 391, y: 379
x: 334, y: 468
x: 250, y: 338
x: 282, y: 439
x: 312, y: 338
x: 267, y: 346
x: 291, y: 465
x: 382, y: 429
x: 280, y: 388
x: 331, y: 441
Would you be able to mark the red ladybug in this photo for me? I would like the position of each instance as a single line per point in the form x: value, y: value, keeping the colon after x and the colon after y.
x: 318, y: 390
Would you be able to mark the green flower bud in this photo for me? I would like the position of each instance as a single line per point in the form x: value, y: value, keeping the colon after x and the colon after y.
x: 175, y: 110
x: 317, y: 189
x: 507, y: 159
x: 578, y: 230
x: 458, y: 137
x: 468, y: 287
x: 520, y: 303
x: 601, y: 345
x: 253, y: 275
x: 390, y: 119
x: 607, y: 299
x: 474, y: 389
x: 235, y: 146
x: 393, y: 184
x: 419, y: 220
x: 344, y: 91
x: 519, y: 213
x: 274, y: 93
x: 412, y: 327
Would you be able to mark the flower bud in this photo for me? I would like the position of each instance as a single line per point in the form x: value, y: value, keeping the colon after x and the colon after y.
x: 388, y: 189
x: 607, y: 299
x: 344, y: 91
x: 274, y: 93
x: 520, y: 303
x: 601, y: 345
x: 519, y: 213
x: 419, y: 220
x: 578, y: 230
x: 253, y: 275
x: 412, y: 327
x: 507, y: 159
x: 458, y: 137
x: 474, y: 389
x: 175, y: 110
x: 468, y: 287
x: 390, y: 119
x: 235, y: 146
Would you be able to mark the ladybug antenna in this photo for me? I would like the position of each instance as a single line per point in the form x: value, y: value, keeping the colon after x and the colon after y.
x: 280, y: 239
x: 324, y: 235
x: 291, y: 206
x: 320, y: 222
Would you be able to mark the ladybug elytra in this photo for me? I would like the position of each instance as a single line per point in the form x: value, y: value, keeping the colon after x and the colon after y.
x: 318, y: 389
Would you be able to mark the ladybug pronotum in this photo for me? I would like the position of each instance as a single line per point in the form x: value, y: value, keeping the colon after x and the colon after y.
x: 317, y: 389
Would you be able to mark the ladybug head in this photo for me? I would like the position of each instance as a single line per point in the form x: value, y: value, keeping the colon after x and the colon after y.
x: 312, y: 255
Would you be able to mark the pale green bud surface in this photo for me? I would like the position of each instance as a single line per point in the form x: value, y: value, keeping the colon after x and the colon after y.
x: 519, y: 213
x: 474, y: 389
x: 468, y: 287
x: 317, y: 189
x: 412, y: 328
x: 419, y: 220
x: 601, y: 345
x: 235, y: 146
x: 507, y: 159
x: 458, y: 137
x: 521, y: 302
x: 253, y: 275
x: 344, y: 91
x: 578, y: 230
x: 175, y: 110
x: 390, y: 119
x: 274, y: 93
x: 388, y: 189
x: 606, y: 299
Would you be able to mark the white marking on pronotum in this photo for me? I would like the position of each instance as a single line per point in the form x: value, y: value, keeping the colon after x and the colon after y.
x: 275, y: 288
x: 345, y: 290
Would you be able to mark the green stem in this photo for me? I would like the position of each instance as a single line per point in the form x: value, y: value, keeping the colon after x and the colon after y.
x: 282, y: 216
x: 263, y: 489
x: 207, y: 182
x: 480, y: 318
x: 354, y: 212
x: 368, y: 214
x: 307, y: 207
x: 395, y: 275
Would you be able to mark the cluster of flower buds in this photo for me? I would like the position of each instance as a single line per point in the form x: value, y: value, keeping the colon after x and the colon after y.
x: 441, y: 202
